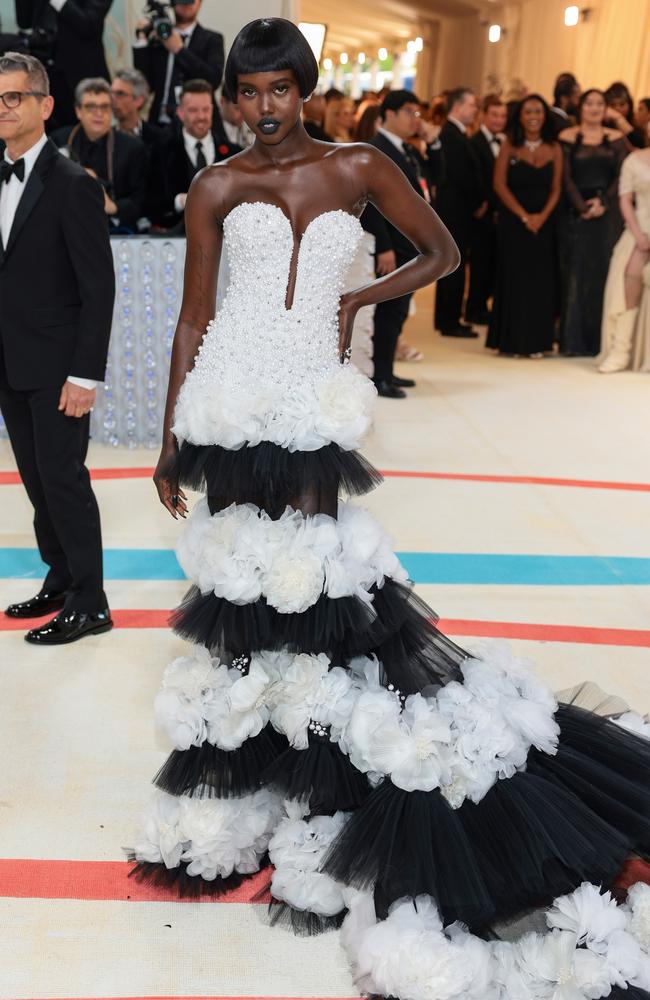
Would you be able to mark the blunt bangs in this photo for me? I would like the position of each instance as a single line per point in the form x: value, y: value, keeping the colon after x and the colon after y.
x: 269, y: 44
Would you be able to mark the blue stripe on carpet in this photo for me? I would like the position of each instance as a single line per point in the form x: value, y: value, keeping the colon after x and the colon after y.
x: 423, y: 567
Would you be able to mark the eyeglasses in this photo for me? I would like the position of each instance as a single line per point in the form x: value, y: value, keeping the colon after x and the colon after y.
x: 412, y: 112
x: 121, y: 93
x: 92, y: 107
x: 13, y: 98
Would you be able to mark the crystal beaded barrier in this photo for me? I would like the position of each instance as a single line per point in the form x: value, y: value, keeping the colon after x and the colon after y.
x: 149, y: 287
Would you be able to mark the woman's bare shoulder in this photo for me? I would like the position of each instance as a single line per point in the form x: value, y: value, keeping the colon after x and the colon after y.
x: 569, y: 134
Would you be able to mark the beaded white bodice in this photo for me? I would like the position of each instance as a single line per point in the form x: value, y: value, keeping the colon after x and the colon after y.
x: 268, y: 372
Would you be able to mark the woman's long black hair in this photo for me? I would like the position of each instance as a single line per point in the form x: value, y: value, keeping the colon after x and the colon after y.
x: 269, y: 44
x: 516, y: 131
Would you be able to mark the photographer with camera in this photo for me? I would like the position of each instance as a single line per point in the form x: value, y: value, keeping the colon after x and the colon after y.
x: 172, y: 47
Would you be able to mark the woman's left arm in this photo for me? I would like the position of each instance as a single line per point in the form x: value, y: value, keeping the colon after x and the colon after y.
x: 556, y: 184
x: 390, y: 192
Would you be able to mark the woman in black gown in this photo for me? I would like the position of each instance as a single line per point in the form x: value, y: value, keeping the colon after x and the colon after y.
x: 593, y: 155
x: 527, y: 180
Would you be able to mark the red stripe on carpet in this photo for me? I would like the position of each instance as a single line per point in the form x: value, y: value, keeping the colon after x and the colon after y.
x: 12, y: 478
x: 35, y: 879
x: 284, y: 996
x: 159, y: 618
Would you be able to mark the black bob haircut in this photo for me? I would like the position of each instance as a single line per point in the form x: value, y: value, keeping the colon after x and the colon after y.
x: 269, y: 44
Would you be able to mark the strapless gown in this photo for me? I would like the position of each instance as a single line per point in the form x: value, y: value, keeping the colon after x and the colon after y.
x: 321, y: 720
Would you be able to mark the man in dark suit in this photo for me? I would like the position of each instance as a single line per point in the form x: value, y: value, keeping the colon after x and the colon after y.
x: 400, y: 122
x: 78, y: 50
x: 483, y: 241
x: 57, y: 288
x: 191, y: 52
x: 460, y: 195
x: 129, y: 93
x: 119, y: 161
x: 566, y: 98
x: 185, y: 152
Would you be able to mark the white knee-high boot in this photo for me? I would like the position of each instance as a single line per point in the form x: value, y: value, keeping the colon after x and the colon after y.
x: 620, y: 352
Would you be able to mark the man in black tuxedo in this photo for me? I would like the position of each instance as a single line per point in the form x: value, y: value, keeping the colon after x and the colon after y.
x: 185, y: 152
x: 191, y: 52
x: 483, y: 241
x: 460, y: 195
x: 400, y: 122
x: 119, y: 161
x: 129, y: 93
x: 78, y: 50
x: 57, y: 288
x: 566, y: 98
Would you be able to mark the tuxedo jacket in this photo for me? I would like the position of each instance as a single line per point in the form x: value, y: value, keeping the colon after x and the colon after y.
x: 57, y: 281
x: 173, y: 172
x: 79, y: 48
x: 130, y: 169
x: 486, y: 159
x: 461, y: 191
x: 202, y: 58
x: 387, y: 236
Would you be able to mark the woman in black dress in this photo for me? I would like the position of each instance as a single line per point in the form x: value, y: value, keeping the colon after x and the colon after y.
x: 593, y: 155
x: 527, y: 180
x: 620, y: 115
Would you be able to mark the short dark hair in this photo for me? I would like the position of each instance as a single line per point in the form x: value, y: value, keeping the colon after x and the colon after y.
x: 20, y: 62
x: 516, y: 129
x: 197, y: 86
x: 492, y: 101
x: 619, y: 91
x: 456, y: 95
x: 268, y: 44
x: 564, y: 86
x: 396, y: 99
x: 646, y: 102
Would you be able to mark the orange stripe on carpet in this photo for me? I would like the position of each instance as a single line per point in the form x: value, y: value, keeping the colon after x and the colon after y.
x: 22, y: 878
x: 11, y: 478
x: 581, y: 634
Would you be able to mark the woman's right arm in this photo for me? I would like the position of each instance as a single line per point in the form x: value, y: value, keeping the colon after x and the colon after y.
x: 503, y: 192
x: 203, y: 254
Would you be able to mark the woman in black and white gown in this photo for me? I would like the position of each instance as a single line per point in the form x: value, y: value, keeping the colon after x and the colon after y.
x: 320, y: 718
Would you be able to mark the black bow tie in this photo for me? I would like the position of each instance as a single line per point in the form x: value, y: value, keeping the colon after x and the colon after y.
x: 7, y: 169
x: 497, y: 139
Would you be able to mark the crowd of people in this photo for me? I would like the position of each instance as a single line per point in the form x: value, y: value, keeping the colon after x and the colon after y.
x: 545, y: 201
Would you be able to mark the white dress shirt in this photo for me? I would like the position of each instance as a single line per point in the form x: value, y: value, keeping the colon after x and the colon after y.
x: 494, y: 141
x: 10, y: 194
x: 207, y: 146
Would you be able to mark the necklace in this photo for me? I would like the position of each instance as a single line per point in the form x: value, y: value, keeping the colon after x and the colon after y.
x: 533, y: 144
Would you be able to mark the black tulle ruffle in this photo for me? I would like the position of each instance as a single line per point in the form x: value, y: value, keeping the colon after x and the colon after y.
x: 399, y: 629
x: 183, y: 885
x: 568, y: 818
x: 211, y: 772
x: 303, y: 923
x: 629, y: 993
x: 266, y: 472
x: 322, y: 775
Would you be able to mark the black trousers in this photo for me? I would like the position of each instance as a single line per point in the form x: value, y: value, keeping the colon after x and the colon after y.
x: 390, y: 317
x: 451, y: 290
x: 482, y: 265
x: 50, y: 451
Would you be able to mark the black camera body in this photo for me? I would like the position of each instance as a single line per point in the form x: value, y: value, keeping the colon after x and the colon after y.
x: 158, y: 13
x: 36, y: 34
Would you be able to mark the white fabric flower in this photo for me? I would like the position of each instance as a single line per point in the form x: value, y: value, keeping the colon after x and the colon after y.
x: 295, y: 582
x: 296, y: 696
x: 189, y: 687
x: 556, y: 970
x: 589, y: 914
x: 638, y: 901
x: 297, y: 850
x: 634, y: 723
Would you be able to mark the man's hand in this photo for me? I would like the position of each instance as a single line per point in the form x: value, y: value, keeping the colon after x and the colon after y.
x: 386, y: 262
x: 180, y: 202
x: 109, y: 205
x: 174, y: 43
x: 76, y: 401
x: 481, y: 211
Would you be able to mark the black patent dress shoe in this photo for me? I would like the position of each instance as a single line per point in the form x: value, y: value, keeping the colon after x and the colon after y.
x: 460, y: 331
x: 45, y: 602
x: 403, y: 383
x: 388, y: 390
x: 70, y: 626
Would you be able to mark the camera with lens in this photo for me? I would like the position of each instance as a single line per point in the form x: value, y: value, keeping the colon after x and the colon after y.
x: 160, y: 22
